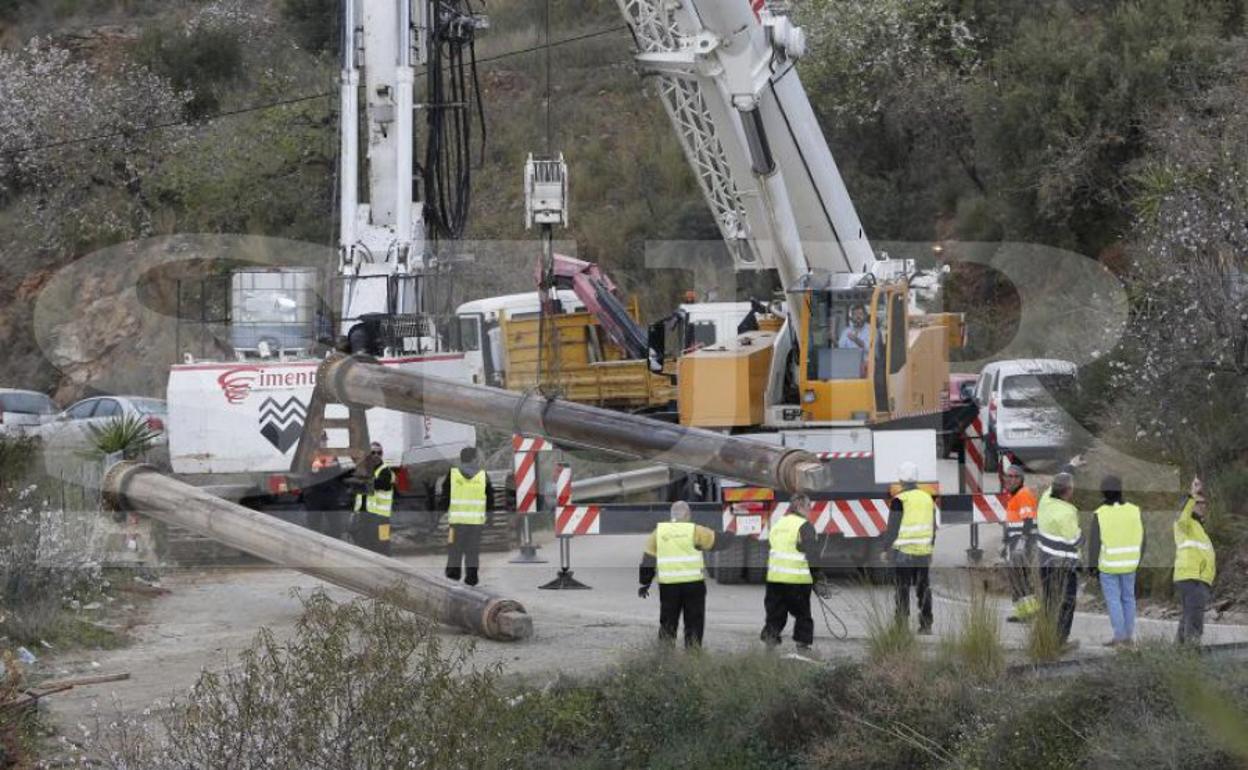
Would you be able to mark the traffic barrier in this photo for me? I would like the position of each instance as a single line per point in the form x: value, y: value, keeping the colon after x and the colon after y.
x: 525, y: 453
x: 572, y: 519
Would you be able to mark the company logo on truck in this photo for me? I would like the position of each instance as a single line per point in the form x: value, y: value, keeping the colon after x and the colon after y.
x: 282, y: 422
x: 239, y: 383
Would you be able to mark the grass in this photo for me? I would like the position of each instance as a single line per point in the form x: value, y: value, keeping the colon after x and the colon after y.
x: 1044, y: 640
x: 889, y: 637
x: 362, y: 669
x: 976, y: 646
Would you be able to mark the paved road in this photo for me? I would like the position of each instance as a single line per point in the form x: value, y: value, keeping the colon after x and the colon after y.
x: 211, y: 615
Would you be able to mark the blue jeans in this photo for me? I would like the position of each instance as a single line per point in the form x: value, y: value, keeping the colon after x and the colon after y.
x: 1119, y: 593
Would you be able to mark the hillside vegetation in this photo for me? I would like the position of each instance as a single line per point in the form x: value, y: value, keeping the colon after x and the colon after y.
x: 1111, y: 128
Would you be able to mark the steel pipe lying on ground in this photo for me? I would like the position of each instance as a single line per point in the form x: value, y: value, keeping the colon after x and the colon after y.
x: 358, y: 383
x: 144, y: 490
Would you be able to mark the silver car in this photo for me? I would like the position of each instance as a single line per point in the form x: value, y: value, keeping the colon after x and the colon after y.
x: 23, y: 411
x: 72, y: 426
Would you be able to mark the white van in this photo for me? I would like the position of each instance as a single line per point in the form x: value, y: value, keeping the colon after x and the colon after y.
x: 1018, y: 404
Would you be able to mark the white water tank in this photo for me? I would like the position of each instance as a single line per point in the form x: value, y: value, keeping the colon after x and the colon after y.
x: 273, y: 308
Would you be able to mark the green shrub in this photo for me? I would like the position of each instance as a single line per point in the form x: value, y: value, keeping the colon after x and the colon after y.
x: 200, y: 62
x: 128, y: 435
x: 976, y: 646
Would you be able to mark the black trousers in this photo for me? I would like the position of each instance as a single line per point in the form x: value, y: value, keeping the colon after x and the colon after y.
x: 913, y: 572
x: 1194, y: 598
x: 328, y: 522
x: 366, y: 532
x: 1061, y: 587
x: 783, y: 600
x: 682, y: 599
x: 464, y: 551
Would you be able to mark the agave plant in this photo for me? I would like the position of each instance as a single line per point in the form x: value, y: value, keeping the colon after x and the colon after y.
x: 130, y: 435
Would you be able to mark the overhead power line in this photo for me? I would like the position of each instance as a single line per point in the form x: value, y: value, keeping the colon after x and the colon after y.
x: 283, y: 102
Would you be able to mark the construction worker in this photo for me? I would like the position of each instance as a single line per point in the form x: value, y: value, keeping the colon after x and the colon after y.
x: 1116, y: 541
x: 790, y: 577
x: 856, y: 334
x: 374, y: 481
x: 467, y: 496
x: 1058, y: 540
x: 1018, y: 543
x: 912, y: 537
x: 324, y: 494
x: 674, y: 553
x: 1195, y: 565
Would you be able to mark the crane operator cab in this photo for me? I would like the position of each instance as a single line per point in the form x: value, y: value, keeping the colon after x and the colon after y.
x: 853, y: 342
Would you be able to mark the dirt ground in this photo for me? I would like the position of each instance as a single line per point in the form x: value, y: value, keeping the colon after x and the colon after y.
x: 210, y: 614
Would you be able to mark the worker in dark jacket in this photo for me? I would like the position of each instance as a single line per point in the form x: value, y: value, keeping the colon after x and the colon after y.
x: 325, y: 494
x: 911, y: 537
x: 790, y: 575
x: 673, y: 553
x: 467, y: 494
x: 374, y: 482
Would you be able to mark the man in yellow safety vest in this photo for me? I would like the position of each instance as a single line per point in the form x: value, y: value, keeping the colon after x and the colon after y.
x: 374, y: 502
x: 1116, y: 541
x: 1195, y: 565
x: 467, y: 499
x: 673, y: 553
x: 790, y: 576
x: 912, y: 536
x: 1058, y: 540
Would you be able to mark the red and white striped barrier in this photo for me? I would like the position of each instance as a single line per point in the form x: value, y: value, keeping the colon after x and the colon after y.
x: 990, y: 509
x: 850, y: 518
x: 525, y: 453
x: 845, y: 455
x: 573, y: 519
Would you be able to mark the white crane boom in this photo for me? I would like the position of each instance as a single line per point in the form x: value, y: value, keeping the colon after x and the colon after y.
x: 725, y: 72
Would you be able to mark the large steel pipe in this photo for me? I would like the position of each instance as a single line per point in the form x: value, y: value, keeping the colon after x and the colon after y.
x: 355, y: 382
x: 142, y: 489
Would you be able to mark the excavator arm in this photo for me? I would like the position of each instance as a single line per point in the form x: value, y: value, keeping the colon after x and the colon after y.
x: 598, y: 293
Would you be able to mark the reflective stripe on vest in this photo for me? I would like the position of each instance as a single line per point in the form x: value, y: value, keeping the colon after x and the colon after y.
x: 678, y: 559
x: 785, y: 563
x: 1122, y: 535
x: 1194, y: 557
x: 379, y: 502
x: 467, y: 498
x: 918, y: 523
x: 1058, y: 529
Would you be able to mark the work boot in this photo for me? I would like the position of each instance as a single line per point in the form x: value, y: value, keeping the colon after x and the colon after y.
x: 925, y: 630
x: 1014, y: 619
x: 1111, y: 643
x: 1069, y: 647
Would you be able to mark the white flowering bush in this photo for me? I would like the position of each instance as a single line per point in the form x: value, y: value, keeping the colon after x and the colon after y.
x: 47, y: 561
x: 358, y: 685
x: 69, y: 131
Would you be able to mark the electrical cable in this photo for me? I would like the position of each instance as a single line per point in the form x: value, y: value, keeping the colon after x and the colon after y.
x: 259, y: 107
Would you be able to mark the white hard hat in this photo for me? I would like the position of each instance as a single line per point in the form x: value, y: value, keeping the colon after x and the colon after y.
x: 908, y: 473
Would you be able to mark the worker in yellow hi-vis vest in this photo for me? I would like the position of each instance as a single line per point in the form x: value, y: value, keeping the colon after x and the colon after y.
x: 912, y: 537
x: 791, y: 577
x: 1116, y: 542
x: 673, y: 553
x: 1195, y: 565
x: 467, y: 495
x: 374, y: 482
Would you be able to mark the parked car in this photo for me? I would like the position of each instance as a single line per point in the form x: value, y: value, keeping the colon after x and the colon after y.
x: 1019, y: 404
x: 23, y: 411
x: 72, y: 426
x: 959, y: 411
